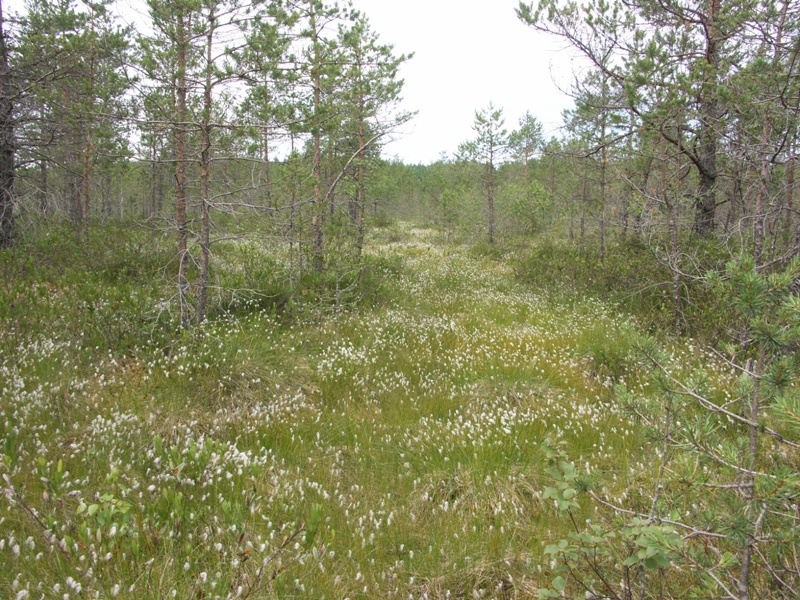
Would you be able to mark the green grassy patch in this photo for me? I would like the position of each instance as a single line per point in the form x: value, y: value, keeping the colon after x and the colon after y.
x: 374, y: 434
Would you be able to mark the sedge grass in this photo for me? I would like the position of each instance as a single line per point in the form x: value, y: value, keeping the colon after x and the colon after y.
x: 392, y: 450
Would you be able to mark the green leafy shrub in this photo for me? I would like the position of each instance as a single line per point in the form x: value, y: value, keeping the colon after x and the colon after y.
x: 719, y: 521
x: 101, y: 292
x: 632, y: 276
x: 607, y: 351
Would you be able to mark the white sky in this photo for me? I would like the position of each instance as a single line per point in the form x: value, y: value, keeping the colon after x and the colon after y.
x: 466, y: 54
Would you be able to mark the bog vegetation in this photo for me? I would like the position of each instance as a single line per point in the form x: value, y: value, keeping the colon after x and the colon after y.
x: 243, y: 356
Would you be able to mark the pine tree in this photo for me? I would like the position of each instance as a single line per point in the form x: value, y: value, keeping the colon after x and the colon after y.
x: 7, y: 143
x: 634, y: 44
x: 371, y: 88
x: 73, y: 60
x: 489, y: 149
x: 526, y: 141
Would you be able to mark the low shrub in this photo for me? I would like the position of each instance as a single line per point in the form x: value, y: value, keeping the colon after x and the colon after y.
x: 632, y: 276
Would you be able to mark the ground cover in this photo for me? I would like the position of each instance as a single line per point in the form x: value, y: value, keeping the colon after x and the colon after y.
x: 377, y: 451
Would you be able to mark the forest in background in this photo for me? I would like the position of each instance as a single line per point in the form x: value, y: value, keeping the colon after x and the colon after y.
x: 171, y: 192
x: 683, y: 133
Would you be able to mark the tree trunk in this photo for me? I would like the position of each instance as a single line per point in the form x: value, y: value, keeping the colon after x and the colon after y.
x: 43, y: 200
x: 317, y: 208
x: 584, y: 204
x: 674, y: 249
x: 360, y: 189
x: 7, y: 146
x: 706, y: 203
x: 161, y: 181
x: 761, y: 196
x: 603, y: 162
x: 180, y: 170
x: 602, y: 232
x: 153, y: 203
x: 751, y: 464
x: 628, y: 192
x: 292, y: 218
x: 735, y: 199
x: 205, y: 178
x: 265, y: 140
x: 105, y: 195
x: 572, y: 221
x: 72, y: 193
x: 789, y: 201
x: 87, y: 151
x: 491, y: 198
x: 267, y: 180
x: 764, y: 153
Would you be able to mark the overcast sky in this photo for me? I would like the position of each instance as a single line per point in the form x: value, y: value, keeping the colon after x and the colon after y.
x: 466, y: 54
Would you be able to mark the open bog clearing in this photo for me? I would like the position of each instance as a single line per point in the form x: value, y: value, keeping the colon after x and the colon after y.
x: 384, y: 451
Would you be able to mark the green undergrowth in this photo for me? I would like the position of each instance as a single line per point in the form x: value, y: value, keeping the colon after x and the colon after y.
x: 632, y: 276
x: 368, y: 435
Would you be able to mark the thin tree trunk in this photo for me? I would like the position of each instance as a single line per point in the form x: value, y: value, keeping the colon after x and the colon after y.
x: 763, y: 191
x: 180, y: 170
x: 674, y: 249
x: 317, y: 204
x: 789, y: 202
x: 72, y: 193
x: 87, y: 151
x: 105, y: 194
x: 360, y: 189
x: 491, y: 197
x: 706, y: 204
x: 152, y: 209
x: 743, y: 585
x: 603, y: 161
x: 628, y: 193
x: 43, y: 200
x: 292, y: 219
x: 528, y: 196
x: 584, y: 203
x: 736, y: 190
x: 266, y: 139
x: 86, y: 186
x: 572, y: 221
x: 360, y: 204
x: 7, y: 145
x: 764, y: 171
x: 160, y: 189
x: 71, y: 161
x: 267, y: 180
x: 205, y: 177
